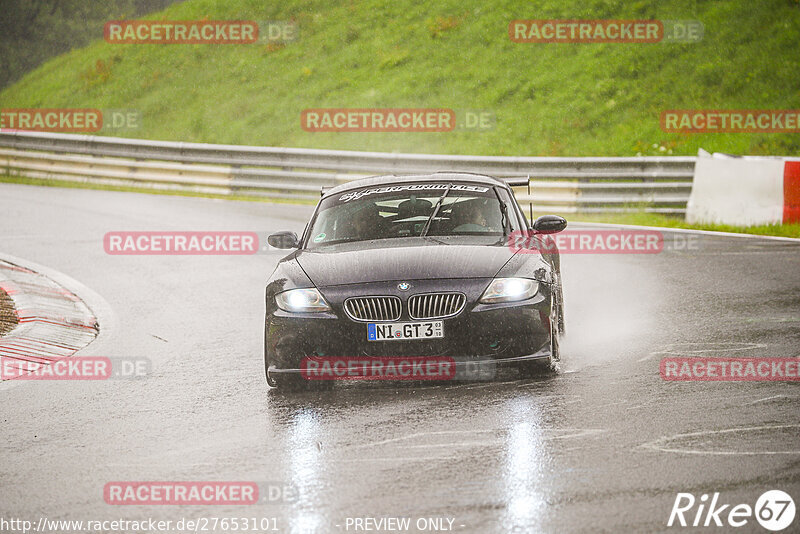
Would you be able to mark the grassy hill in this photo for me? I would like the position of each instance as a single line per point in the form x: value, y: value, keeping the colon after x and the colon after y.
x: 32, y: 31
x: 548, y: 99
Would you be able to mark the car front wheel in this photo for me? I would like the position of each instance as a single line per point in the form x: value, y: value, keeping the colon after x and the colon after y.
x: 544, y: 366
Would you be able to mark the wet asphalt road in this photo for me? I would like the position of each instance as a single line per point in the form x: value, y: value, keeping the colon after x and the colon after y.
x: 597, y: 448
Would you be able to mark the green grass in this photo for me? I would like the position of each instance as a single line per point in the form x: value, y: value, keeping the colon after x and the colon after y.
x: 33, y: 31
x: 16, y: 179
x: 548, y: 99
x: 653, y: 219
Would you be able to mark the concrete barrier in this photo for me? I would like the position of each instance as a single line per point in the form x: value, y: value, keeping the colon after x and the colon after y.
x: 744, y: 191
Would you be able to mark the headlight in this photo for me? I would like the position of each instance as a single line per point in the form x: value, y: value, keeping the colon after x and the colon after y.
x: 509, y: 290
x: 301, y: 301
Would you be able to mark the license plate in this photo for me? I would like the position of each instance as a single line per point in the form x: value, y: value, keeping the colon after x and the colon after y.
x: 404, y: 331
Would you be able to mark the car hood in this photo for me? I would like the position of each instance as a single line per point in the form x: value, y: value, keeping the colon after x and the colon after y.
x: 370, y: 263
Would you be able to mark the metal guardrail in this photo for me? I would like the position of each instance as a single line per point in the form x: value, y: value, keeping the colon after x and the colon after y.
x: 558, y: 185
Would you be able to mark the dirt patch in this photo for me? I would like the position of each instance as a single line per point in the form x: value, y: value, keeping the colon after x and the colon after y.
x: 8, y: 316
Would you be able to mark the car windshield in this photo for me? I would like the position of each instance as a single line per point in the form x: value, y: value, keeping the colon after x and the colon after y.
x: 403, y: 210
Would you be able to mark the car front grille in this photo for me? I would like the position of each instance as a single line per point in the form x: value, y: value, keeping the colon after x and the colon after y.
x: 435, y: 305
x: 373, y: 308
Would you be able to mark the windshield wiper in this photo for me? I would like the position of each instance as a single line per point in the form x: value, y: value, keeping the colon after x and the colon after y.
x: 435, y: 211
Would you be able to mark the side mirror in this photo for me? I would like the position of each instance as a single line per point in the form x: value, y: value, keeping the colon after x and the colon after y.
x: 549, y: 224
x: 283, y: 240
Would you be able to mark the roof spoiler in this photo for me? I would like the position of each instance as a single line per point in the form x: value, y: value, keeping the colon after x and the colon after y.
x: 522, y: 182
x: 513, y: 182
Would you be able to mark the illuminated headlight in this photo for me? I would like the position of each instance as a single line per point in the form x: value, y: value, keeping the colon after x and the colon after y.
x: 301, y: 301
x: 509, y: 290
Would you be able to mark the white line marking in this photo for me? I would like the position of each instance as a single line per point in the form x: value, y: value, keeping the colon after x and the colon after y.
x: 548, y: 434
x: 768, y: 398
x: 658, y: 445
x: 689, y: 231
x: 675, y: 351
x: 401, y: 458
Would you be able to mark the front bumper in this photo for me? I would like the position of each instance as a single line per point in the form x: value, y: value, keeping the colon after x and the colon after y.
x: 466, y: 368
x: 480, y: 336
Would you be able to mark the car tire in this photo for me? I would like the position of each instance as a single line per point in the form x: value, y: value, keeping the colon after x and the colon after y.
x: 560, y: 297
x: 549, y: 365
x: 556, y: 330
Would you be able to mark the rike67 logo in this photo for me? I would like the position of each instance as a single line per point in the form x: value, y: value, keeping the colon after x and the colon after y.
x: 774, y: 510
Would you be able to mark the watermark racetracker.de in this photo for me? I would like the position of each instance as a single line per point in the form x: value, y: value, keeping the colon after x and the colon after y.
x: 394, y: 368
x: 378, y: 120
x: 424, y: 368
x: 187, y: 243
x: 70, y: 120
x: 76, y: 368
x: 181, y: 32
x: 199, y: 31
x: 203, y: 493
x: 730, y: 121
x: 605, y: 31
x: 146, y: 525
x: 728, y: 369
x: 373, y: 120
x: 601, y: 242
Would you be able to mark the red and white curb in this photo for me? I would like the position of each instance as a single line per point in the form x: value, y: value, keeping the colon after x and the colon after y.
x: 53, y: 322
x: 745, y: 191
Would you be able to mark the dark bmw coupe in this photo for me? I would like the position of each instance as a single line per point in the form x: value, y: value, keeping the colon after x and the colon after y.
x: 414, y: 266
